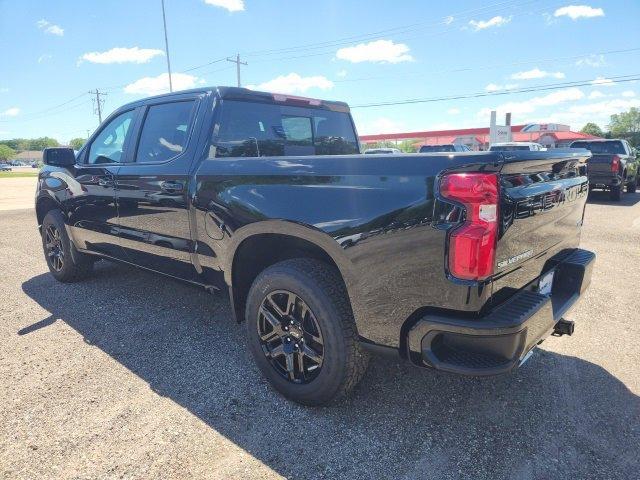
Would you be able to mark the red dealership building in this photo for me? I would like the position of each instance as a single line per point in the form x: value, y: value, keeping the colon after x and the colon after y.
x: 551, y: 135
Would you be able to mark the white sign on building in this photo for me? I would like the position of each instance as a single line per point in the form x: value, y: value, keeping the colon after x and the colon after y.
x: 498, y: 133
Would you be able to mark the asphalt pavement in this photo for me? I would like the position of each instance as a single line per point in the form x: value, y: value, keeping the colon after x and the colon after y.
x: 130, y: 375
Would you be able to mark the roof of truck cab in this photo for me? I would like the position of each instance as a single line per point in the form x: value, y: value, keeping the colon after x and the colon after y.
x: 238, y: 93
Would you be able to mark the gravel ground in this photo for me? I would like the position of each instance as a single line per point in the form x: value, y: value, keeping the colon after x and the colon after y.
x: 129, y: 375
x: 17, y: 192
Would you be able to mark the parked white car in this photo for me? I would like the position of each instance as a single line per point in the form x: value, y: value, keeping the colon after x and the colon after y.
x: 511, y: 146
x: 377, y: 151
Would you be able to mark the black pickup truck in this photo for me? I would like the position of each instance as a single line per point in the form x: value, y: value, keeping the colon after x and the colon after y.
x: 459, y: 262
x: 612, y: 166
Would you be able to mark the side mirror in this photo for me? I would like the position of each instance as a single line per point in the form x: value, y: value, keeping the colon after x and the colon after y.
x: 59, y: 157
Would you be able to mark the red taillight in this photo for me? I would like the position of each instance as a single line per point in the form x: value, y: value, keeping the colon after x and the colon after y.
x: 615, y: 164
x: 472, y: 245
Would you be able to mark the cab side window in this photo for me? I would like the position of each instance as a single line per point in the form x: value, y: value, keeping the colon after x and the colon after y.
x: 108, y: 146
x: 165, y: 130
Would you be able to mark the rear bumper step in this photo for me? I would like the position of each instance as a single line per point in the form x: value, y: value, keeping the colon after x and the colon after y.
x: 501, y: 340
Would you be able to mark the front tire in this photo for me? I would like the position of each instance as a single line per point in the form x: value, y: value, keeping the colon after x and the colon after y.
x: 65, y: 263
x: 301, y: 332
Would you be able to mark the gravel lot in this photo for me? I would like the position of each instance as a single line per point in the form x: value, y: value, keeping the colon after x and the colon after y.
x: 129, y: 375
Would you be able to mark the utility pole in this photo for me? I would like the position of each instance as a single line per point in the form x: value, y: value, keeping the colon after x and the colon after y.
x: 238, y: 63
x: 98, y: 103
x: 166, y: 46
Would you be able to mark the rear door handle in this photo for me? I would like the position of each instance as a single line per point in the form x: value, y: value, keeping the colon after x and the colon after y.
x: 171, y: 187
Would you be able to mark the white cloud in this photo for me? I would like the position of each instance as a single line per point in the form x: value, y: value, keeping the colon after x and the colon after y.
x: 10, y: 112
x: 536, y: 73
x: 578, y: 11
x: 50, y: 28
x: 122, y: 55
x: 342, y: 73
x: 231, y: 5
x: 384, y: 51
x: 160, y: 84
x: 453, y: 111
x: 493, y: 87
x: 599, y: 112
x: 602, y: 81
x: 44, y: 58
x: 448, y: 20
x: 591, y: 61
x: 629, y: 94
x: 294, y: 83
x: 380, y: 125
x: 531, y: 105
x: 497, y: 21
x: 596, y: 94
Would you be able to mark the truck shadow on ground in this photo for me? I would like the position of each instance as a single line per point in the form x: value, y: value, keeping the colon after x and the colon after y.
x: 557, y: 417
x: 601, y: 197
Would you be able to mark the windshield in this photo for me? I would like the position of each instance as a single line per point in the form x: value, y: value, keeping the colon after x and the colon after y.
x: 614, y: 147
x: 249, y: 129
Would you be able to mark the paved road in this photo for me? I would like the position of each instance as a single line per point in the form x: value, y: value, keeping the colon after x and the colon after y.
x: 131, y: 376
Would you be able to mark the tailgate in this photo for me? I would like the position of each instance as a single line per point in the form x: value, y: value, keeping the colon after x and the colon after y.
x: 600, y: 164
x: 543, y: 195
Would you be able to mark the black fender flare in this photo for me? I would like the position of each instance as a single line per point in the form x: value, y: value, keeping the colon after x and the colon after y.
x: 292, y: 229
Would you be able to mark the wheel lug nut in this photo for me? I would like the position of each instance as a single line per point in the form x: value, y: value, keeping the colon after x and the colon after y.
x: 296, y: 345
x: 291, y: 322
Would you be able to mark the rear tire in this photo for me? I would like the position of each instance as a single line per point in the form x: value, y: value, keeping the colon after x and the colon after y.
x: 65, y: 263
x: 312, y: 291
x: 631, y: 186
x: 615, y: 193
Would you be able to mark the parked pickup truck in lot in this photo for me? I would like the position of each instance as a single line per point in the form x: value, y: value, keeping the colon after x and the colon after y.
x: 612, y: 166
x: 459, y: 262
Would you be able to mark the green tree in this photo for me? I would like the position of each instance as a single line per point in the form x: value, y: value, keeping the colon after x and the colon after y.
x: 42, y: 143
x: 77, y: 143
x: 408, y: 146
x: 627, y: 125
x: 592, y: 129
x: 6, y: 153
x: 18, y: 144
x: 22, y: 144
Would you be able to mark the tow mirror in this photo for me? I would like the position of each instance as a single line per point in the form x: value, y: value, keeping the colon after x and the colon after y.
x: 59, y: 156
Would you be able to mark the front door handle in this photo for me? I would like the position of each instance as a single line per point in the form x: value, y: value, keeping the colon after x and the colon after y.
x: 105, y: 182
x: 171, y: 187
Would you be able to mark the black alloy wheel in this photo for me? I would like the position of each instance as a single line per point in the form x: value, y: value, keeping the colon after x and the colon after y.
x: 290, y: 336
x: 53, y: 248
x: 65, y: 263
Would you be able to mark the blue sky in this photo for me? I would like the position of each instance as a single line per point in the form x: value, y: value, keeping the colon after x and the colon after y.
x: 359, y: 52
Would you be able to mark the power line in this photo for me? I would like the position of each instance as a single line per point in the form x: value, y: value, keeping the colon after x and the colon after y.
x: 538, y: 88
x: 446, y: 20
x: 332, y: 51
x: 204, y: 65
x: 472, y: 68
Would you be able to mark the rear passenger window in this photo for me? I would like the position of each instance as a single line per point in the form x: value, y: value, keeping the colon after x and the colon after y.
x: 248, y: 129
x: 165, y: 130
